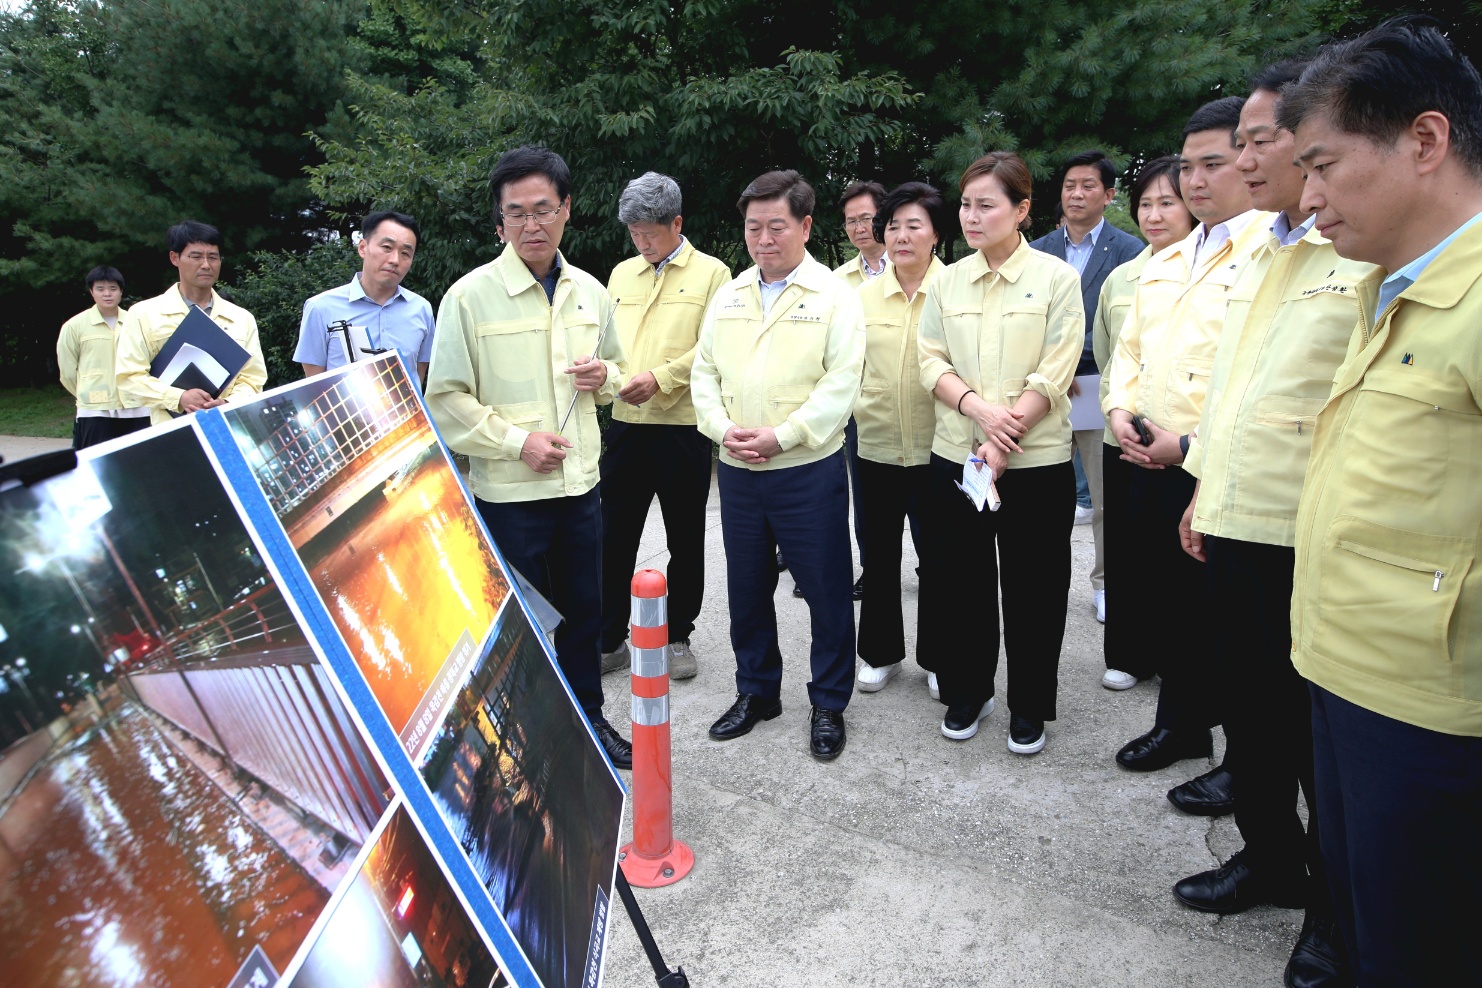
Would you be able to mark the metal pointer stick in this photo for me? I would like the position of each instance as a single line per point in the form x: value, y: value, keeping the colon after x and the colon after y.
x: 595, y: 349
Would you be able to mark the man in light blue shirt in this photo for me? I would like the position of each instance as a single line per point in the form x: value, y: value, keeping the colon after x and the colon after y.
x: 392, y: 317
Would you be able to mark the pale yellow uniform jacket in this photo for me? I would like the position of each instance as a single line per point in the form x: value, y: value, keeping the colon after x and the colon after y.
x: 852, y: 271
x: 1161, y: 364
x: 145, y: 331
x: 796, y: 370
x: 658, y: 318
x: 85, y: 357
x: 497, y: 374
x: 896, y: 416
x: 1387, y: 608
x: 1021, y: 328
x: 1291, y: 315
x: 1111, y: 314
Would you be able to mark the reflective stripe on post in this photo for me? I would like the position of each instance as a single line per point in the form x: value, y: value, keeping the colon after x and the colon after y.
x: 654, y: 858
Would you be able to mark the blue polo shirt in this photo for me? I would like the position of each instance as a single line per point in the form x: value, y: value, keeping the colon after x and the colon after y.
x: 404, y: 323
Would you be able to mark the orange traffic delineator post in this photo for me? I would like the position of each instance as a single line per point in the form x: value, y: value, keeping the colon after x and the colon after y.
x: 655, y: 858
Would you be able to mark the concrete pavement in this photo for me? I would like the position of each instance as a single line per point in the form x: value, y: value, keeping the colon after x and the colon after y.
x: 914, y: 859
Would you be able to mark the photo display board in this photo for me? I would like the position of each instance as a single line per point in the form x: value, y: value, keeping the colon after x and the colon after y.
x: 273, y: 712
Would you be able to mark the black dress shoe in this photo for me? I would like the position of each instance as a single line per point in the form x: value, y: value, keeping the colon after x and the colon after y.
x: 745, y: 713
x: 826, y: 734
x: 1160, y: 748
x: 1210, y: 794
x: 797, y: 591
x: 1235, y: 886
x: 858, y: 592
x: 781, y: 563
x: 1318, y: 960
x: 619, y: 750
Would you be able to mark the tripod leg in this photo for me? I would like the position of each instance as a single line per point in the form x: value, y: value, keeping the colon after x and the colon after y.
x: 665, y: 977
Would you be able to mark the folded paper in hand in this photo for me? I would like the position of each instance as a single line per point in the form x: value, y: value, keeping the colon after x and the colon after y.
x: 977, y: 484
x: 199, y: 354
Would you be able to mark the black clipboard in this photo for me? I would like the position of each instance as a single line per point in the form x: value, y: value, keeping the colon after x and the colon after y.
x: 199, y: 330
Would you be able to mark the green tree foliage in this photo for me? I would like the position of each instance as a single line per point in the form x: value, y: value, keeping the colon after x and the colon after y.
x: 274, y: 289
x: 119, y: 119
x: 712, y: 93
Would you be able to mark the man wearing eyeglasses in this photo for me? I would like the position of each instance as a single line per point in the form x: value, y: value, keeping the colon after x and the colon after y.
x: 518, y: 341
x: 195, y: 251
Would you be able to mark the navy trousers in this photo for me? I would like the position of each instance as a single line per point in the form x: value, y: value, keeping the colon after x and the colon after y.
x: 556, y: 543
x: 641, y: 462
x: 1400, y: 809
x: 804, y: 511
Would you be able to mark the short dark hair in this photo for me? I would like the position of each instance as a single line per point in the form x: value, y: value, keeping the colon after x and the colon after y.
x: 103, y: 273
x: 927, y: 197
x: 1162, y: 167
x: 187, y: 232
x: 1099, y: 159
x: 373, y: 221
x: 1379, y: 82
x: 874, y: 190
x: 1220, y: 114
x: 1010, y: 170
x: 1278, y: 75
x: 787, y: 185
x: 525, y: 160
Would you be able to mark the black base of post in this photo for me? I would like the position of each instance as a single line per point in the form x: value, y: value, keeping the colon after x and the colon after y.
x: 665, y: 977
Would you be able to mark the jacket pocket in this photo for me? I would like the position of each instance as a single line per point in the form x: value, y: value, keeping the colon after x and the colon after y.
x: 1387, y: 602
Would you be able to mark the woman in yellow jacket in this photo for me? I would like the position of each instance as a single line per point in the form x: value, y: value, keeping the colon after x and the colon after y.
x: 896, y: 420
x: 1158, y: 210
x: 1000, y: 337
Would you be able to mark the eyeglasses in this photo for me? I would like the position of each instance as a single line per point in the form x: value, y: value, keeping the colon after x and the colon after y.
x: 545, y: 217
x: 855, y: 221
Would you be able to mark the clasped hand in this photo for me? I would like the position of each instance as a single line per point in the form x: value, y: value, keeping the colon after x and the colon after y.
x: 751, y: 445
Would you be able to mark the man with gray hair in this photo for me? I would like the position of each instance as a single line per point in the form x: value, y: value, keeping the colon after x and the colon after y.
x: 653, y: 448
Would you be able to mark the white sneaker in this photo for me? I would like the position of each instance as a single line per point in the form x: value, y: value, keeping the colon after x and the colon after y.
x: 1115, y: 679
x: 931, y: 686
x: 1101, y: 605
x: 872, y: 679
x: 618, y: 658
x: 1083, y: 516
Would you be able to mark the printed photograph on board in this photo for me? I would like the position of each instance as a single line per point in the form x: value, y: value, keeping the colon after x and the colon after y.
x: 533, y: 802
x: 399, y: 925
x: 181, y: 789
x: 372, y: 505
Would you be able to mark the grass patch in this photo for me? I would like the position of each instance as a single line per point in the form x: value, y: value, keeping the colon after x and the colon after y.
x: 40, y: 412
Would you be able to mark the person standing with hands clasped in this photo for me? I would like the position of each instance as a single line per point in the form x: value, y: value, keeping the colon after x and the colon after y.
x: 1000, y: 337
x: 775, y: 377
x: 514, y: 346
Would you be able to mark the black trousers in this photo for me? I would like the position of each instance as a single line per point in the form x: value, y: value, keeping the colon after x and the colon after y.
x: 804, y: 511
x: 1166, y: 589
x: 1400, y: 808
x: 1028, y: 541
x: 556, y: 543
x: 1123, y: 643
x: 1269, y: 737
x: 91, y: 430
x: 891, y: 495
x: 641, y: 462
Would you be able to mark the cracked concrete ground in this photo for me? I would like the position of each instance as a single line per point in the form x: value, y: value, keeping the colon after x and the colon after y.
x: 917, y: 859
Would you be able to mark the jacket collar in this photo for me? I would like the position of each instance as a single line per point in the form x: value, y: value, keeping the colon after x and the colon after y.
x: 1009, y: 270
x: 891, y: 285
x: 175, y: 304
x: 517, y: 277
x: 1451, y: 275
